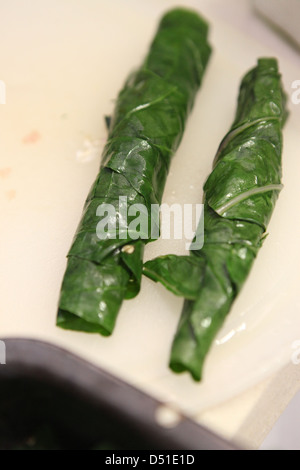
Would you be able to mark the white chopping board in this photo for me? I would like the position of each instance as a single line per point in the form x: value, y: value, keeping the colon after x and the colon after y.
x: 63, y: 63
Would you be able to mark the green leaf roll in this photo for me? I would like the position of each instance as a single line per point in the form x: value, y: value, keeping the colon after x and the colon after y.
x: 239, y: 198
x: 144, y: 133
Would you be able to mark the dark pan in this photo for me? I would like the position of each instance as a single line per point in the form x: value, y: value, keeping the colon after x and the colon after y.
x: 86, y: 406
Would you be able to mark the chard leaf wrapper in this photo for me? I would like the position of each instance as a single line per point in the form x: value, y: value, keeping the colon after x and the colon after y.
x: 144, y: 132
x: 239, y: 198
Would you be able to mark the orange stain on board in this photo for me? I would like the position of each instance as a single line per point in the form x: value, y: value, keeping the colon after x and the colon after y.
x: 5, y: 172
x: 10, y: 194
x: 32, y: 137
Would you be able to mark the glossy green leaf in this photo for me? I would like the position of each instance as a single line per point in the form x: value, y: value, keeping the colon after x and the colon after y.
x: 240, y: 195
x: 144, y: 132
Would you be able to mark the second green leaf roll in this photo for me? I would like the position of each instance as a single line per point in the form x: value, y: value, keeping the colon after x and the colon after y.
x: 239, y: 198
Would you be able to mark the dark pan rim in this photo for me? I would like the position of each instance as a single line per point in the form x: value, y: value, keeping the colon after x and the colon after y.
x: 39, y: 360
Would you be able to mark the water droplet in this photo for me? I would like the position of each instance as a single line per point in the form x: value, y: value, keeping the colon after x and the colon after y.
x: 129, y: 249
x: 102, y: 306
x: 206, y: 322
